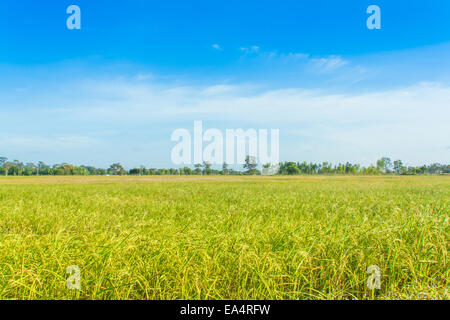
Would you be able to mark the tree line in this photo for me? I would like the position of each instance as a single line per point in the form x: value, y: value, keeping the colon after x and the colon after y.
x: 383, y: 166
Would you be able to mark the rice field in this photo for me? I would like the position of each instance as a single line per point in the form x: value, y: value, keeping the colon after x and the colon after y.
x: 224, y: 237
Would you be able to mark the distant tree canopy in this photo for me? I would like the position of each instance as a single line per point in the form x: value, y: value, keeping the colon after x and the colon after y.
x: 250, y: 167
x: 117, y: 170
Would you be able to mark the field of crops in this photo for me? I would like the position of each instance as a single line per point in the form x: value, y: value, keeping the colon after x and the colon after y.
x: 224, y: 237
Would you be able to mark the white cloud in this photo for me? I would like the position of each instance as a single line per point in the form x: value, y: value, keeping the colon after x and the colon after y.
x: 36, y: 143
x: 250, y: 50
x: 410, y: 122
x: 324, y: 64
x: 424, y: 101
x: 144, y: 76
x: 219, y: 89
x: 216, y: 46
x: 328, y: 64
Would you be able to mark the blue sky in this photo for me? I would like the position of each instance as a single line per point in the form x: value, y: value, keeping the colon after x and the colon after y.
x: 115, y: 90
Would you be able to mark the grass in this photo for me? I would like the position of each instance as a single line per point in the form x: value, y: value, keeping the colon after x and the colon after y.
x: 224, y: 237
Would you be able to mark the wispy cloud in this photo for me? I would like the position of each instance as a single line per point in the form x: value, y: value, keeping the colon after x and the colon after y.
x: 67, y: 112
x: 250, y: 50
x: 328, y: 64
x: 317, y: 64
x: 144, y: 76
x: 217, y: 47
x: 408, y: 122
x: 45, y: 143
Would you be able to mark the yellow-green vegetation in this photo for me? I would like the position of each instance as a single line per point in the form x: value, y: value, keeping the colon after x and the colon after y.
x: 224, y: 237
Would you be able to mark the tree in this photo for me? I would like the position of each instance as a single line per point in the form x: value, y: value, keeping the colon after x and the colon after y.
x: 186, y: 171
x: 116, y: 169
x: 225, y: 168
x: 19, y: 164
x: 387, y: 165
x: 207, y: 167
x: 292, y: 168
x: 250, y: 164
x: 384, y: 165
x: 136, y: 172
x: 42, y: 168
x: 198, y: 168
x: 30, y: 169
x: 80, y: 171
x: 381, y: 164
x: 398, y: 167
x: 436, y: 168
x: 68, y: 169
x: 3, y: 161
x: 12, y: 168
